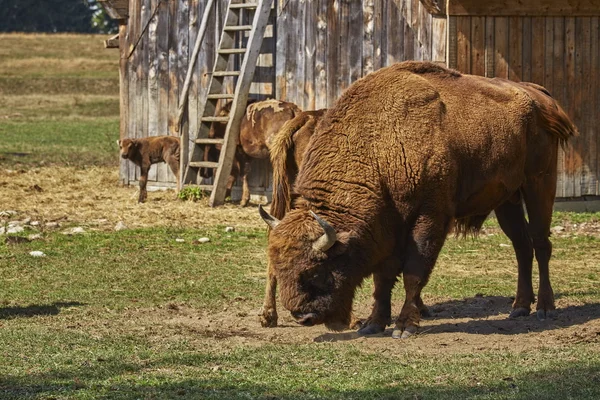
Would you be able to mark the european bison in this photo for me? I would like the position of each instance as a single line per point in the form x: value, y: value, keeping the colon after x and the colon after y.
x: 144, y: 152
x: 262, y: 120
x: 407, y: 153
x: 287, y: 150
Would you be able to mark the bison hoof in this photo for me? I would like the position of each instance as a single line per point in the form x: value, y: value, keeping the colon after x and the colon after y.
x: 268, y: 319
x: 543, y: 314
x: 519, y: 312
x: 408, y: 332
x: 371, y: 329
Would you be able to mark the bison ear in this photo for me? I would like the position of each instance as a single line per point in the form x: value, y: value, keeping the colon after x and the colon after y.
x: 268, y: 218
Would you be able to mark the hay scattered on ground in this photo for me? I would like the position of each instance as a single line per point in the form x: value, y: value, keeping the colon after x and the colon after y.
x: 93, y: 197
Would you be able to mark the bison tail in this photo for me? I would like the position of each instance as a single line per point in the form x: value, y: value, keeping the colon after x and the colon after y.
x: 281, y: 151
x: 556, y: 121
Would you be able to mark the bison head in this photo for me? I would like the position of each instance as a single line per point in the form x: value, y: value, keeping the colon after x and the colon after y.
x: 127, y: 147
x: 313, y: 266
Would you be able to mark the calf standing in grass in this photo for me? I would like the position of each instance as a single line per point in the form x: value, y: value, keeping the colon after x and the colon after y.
x: 144, y: 152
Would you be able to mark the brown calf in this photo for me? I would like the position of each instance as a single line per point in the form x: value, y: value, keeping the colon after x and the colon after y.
x: 144, y: 152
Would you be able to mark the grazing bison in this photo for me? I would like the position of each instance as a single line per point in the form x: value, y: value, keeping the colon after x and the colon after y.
x: 406, y: 154
x: 287, y: 150
x: 146, y: 151
x: 262, y: 120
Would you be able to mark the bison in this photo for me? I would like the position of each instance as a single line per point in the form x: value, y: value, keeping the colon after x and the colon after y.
x: 408, y: 153
x: 262, y: 120
x: 287, y: 150
x: 144, y: 152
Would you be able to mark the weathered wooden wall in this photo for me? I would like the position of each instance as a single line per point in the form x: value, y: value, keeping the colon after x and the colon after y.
x: 560, y: 53
x: 314, y: 50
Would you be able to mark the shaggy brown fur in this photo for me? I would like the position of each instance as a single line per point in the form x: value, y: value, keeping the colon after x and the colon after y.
x: 262, y: 120
x: 287, y: 150
x: 407, y: 151
x: 146, y: 151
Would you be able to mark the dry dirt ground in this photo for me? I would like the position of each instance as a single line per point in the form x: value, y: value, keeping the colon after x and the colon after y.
x: 92, y: 198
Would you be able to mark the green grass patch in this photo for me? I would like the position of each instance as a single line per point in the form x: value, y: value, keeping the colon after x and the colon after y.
x: 65, y: 142
x: 70, y: 326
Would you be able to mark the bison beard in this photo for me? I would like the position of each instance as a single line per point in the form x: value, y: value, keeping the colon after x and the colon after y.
x: 407, y: 154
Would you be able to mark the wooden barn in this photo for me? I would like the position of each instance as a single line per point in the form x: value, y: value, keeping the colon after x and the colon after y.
x: 313, y: 50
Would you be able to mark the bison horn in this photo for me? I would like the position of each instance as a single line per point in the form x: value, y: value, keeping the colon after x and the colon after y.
x: 328, y: 239
x: 268, y: 218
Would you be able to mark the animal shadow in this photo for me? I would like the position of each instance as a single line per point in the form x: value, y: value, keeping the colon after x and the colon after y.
x: 482, y: 313
x: 36, y: 310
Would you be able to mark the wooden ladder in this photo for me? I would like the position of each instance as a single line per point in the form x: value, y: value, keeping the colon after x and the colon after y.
x: 227, y: 49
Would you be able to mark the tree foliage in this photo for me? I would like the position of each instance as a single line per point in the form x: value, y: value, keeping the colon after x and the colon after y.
x: 84, y: 16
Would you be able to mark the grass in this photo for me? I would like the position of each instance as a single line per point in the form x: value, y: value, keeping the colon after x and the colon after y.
x: 94, y: 319
x: 137, y: 314
x: 59, y: 101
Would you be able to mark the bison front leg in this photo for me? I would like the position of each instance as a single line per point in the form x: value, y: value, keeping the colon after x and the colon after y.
x: 268, y: 313
x: 427, y: 239
x: 381, y: 314
x: 143, y: 180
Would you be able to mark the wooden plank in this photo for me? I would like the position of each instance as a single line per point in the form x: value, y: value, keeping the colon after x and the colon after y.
x: 162, y: 49
x: 538, y: 31
x: 573, y: 102
x: 438, y: 40
x: 452, y: 43
x: 173, y: 93
x: 587, y: 140
x: 344, y: 46
x: 501, y: 47
x: 594, y: 88
x: 123, y: 99
x: 478, y: 46
x: 150, y: 84
x: 415, y: 27
x: 192, y: 102
x: 378, y: 33
x: 558, y: 91
x: 281, y: 52
x: 463, y: 44
x: 526, y: 62
x: 333, y: 33
x: 398, y: 34
x: 135, y: 84
x: 300, y: 49
x: 524, y: 8
x: 515, y: 49
x: 321, y: 55
x: 425, y: 34
x: 490, y: 50
x: 368, y: 36
x: 355, y: 41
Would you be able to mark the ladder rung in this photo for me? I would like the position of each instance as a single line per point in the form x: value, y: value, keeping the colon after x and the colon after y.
x: 236, y: 28
x: 215, y: 119
x: 203, y: 164
x: 243, y: 5
x: 221, y: 96
x: 226, y: 73
x: 209, y: 141
x: 232, y: 51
